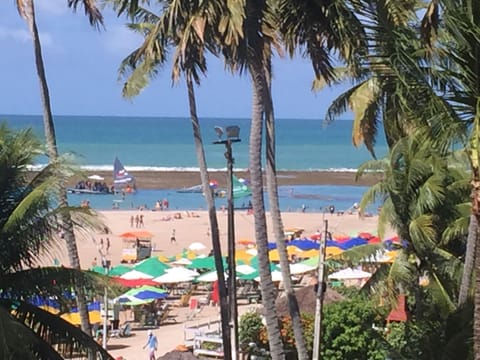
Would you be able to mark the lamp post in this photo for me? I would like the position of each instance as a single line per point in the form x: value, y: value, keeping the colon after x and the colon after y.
x: 106, y: 267
x: 232, y: 136
x: 320, y: 295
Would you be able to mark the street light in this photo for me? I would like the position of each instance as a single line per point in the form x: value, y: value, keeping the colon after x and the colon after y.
x: 231, y: 136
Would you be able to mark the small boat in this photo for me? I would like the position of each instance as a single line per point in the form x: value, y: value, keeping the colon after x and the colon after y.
x: 94, y: 185
x: 122, y: 180
x: 191, y: 189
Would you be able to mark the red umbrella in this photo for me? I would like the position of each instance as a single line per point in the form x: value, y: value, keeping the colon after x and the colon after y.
x: 365, y: 235
x: 374, y: 240
x: 135, y: 282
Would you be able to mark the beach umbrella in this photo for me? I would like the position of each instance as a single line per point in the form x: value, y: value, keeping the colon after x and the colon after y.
x: 205, y: 263
x: 176, y: 275
x: 243, y: 256
x: 181, y: 262
x: 152, y: 266
x: 304, y: 244
x: 196, y: 246
x: 210, y: 276
x: 332, y: 251
x: 299, y: 268
x: 309, y: 253
x: 245, y: 269
x: 349, y: 273
x: 119, y: 270
x: 140, y: 234
x: 133, y: 283
x: 130, y: 300
x: 276, y: 276
x: 252, y: 252
x: 98, y: 269
x: 147, y: 292
x: 313, y: 261
x: 246, y: 242
x: 136, y: 275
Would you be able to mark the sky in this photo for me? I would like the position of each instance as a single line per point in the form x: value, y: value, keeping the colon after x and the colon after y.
x: 82, y: 73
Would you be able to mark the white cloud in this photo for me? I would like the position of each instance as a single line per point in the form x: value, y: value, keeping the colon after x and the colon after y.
x: 23, y: 36
x: 119, y: 40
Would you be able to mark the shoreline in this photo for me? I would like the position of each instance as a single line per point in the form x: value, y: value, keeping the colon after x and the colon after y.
x: 180, y: 179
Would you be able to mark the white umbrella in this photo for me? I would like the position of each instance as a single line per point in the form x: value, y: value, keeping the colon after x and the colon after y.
x: 299, y: 268
x: 209, y: 277
x: 135, y: 275
x: 182, y: 271
x: 245, y: 269
x: 96, y: 177
x: 196, y: 246
x: 181, y: 261
x: 252, y: 252
x: 276, y: 276
x: 349, y: 273
x: 173, y: 278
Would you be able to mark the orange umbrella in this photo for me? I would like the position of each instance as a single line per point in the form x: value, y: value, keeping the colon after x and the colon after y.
x: 141, y: 234
x: 246, y: 242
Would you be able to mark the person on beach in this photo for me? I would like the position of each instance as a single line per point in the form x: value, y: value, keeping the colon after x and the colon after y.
x: 137, y: 221
x: 151, y: 344
x: 132, y: 220
x: 108, y: 244
x: 140, y: 223
x: 172, y: 238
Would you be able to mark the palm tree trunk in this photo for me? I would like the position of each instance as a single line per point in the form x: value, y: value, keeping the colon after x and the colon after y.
x: 269, y: 292
x: 49, y: 129
x: 212, y: 215
x: 278, y: 231
x: 468, y: 266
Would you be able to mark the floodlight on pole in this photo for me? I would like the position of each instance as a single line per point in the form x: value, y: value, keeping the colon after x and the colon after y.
x: 232, y: 135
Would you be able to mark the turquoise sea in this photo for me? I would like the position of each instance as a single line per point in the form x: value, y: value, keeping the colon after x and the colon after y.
x: 163, y: 144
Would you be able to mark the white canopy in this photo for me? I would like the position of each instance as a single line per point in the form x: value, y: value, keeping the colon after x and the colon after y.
x: 96, y: 177
x: 349, y: 273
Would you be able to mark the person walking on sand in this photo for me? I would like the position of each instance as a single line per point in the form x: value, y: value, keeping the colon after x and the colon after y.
x: 132, y: 220
x: 108, y: 244
x: 151, y: 344
x: 172, y: 238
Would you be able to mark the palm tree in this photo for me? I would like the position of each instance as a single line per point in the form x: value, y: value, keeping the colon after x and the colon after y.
x: 188, y: 28
x: 423, y: 199
x: 27, y: 229
x: 27, y: 11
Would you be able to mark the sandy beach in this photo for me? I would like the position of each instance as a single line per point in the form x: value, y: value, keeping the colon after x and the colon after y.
x: 191, y: 227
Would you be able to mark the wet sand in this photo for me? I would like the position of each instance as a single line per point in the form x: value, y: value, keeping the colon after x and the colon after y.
x: 178, y: 179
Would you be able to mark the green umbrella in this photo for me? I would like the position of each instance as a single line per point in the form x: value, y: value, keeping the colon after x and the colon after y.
x: 152, y: 266
x: 205, y: 263
x: 313, y: 261
x: 98, y: 269
x: 119, y: 270
x: 256, y: 273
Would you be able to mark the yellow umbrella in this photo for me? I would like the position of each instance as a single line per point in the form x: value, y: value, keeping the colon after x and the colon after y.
x: 309, y: 253
x: 332, y: 251
x: 243, y: 255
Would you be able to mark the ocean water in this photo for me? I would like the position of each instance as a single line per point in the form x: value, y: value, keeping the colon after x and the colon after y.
x: 150, y: 143
x: 162, y: 144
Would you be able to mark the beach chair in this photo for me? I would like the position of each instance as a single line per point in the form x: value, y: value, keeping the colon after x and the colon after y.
x: 166, y: 317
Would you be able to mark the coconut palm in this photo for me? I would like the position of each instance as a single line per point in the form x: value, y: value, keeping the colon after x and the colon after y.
x: 423, y: 198
x: 26, y: 9
x: 28, y: 229
x: 187, y: 28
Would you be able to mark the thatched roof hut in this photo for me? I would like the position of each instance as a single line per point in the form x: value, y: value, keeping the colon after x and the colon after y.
x: 306, y: 298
